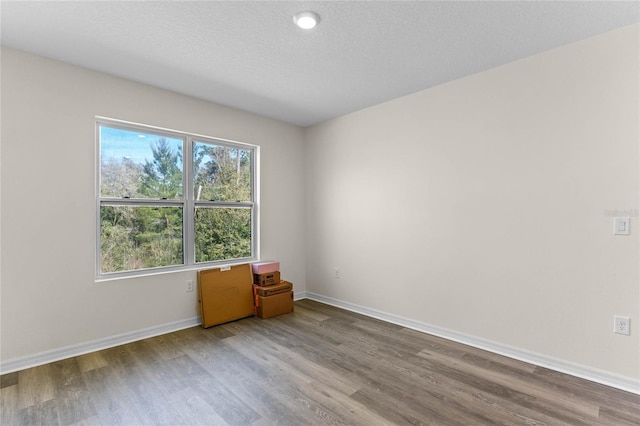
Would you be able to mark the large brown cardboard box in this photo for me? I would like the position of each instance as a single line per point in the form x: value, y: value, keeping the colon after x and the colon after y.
x: 225, y: 294
x: 271, y: 306
x: 270, y: 278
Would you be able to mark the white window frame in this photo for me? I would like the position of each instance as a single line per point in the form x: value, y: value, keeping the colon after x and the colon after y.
x: 187, y: 203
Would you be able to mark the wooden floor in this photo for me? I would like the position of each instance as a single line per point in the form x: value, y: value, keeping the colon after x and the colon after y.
x: 319, y: 365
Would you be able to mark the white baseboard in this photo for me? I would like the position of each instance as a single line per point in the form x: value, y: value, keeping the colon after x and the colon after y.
x: 599, y: 376
x: 300, y: 295
x: 46, y: 357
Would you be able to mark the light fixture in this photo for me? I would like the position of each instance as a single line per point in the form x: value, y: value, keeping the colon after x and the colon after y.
x: 306, y: 20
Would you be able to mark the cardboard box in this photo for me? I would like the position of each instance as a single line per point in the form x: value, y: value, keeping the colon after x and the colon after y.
x: 225, y: 294
x: 265, y: 267
x: 270, y: 278
x: 281, y: 287
x: 271, y: 306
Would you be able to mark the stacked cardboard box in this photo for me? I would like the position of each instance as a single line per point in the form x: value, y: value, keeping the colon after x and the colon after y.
x: 271, y: 295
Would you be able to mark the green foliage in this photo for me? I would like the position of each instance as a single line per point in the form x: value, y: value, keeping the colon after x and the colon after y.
x: 138, y: 237
x: 222, y: 173
x: 162, y: 177
x: 222, y: 233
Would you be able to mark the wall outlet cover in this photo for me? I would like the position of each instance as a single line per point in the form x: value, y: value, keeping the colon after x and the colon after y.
x: 621, y: 325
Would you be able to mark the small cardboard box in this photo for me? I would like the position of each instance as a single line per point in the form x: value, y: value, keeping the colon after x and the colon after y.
x: 270, y: 278
x: 281, y: 287
x: 225, y: 294
x: 271, y: 306
x: 265, y: 267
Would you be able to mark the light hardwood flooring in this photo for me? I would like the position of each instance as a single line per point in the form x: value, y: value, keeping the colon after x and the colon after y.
x: 318, y: 365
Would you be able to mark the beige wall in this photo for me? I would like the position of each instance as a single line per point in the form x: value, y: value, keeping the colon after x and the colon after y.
x: 49, y: 296
x: 479, y: 206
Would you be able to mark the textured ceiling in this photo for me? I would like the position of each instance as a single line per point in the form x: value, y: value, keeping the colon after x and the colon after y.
x: 249, y: 55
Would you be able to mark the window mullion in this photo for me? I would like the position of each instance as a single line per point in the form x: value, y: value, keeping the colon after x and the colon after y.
x: 140, y: 202
x: 240, y: 204
x: 189, y: 211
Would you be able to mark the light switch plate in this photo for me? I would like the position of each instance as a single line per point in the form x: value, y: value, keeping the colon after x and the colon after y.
x: 621, y: 225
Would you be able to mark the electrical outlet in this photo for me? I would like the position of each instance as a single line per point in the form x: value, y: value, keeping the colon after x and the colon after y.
x: 621, y: 324
x: 337, y: 273
x: 189, y: 286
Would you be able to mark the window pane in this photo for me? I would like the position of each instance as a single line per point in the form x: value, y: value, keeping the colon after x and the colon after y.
x: 222, y: 233
x: 139, y: 165
x: 221, y: 173
x: 135, y: 237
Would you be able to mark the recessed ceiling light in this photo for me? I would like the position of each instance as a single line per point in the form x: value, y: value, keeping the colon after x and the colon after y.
x: 306, y: 20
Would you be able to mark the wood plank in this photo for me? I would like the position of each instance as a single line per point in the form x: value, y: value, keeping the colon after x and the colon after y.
x: 9, y: 379
x: 91, y: 361
x: 71, y: 396
x: 191, y: 408
x: 9, y: 403
x: 35, y: 385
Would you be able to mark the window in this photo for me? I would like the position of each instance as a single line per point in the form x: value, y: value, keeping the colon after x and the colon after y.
x: 172, y: 200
